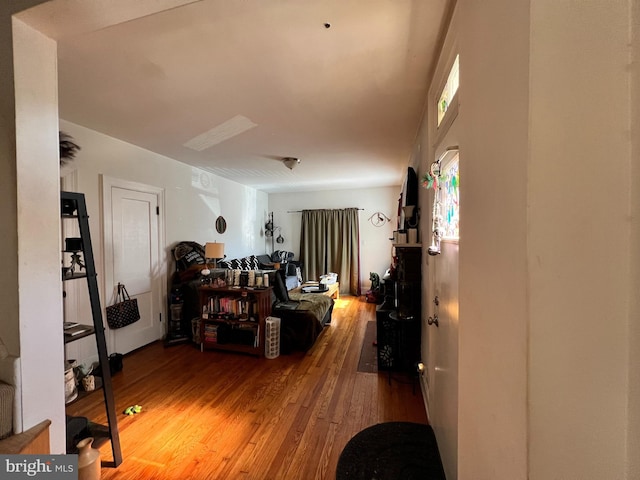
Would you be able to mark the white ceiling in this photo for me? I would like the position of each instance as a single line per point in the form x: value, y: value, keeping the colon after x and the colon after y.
x: 347, y: 100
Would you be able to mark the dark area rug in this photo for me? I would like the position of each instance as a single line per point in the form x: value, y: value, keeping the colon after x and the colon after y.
x: 369, y: 352
x: 391, y: 451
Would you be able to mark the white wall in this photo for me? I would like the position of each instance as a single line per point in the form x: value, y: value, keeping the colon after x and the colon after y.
x: 375, y: 246
x: 493, y: 121
x: 579, y: 240
x: 40, y: 295
x: 9, y: 327
x: 548, y: 299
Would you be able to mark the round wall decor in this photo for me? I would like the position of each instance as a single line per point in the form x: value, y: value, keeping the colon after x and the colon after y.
x: 221, y: 224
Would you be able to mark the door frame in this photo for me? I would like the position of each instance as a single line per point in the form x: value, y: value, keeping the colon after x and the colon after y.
x: 106, y: 184
x: 439, y: 139
x: 443, y: 340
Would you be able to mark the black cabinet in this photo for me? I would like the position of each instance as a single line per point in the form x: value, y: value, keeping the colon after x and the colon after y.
x: 387, y: 340
x: 398, y: 341
x: 399, y: 328
x: 408, y: 283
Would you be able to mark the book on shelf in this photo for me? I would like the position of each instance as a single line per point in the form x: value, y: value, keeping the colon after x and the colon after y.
x: 68, y: 325
x: 233, y: 306
x: 211, y: 333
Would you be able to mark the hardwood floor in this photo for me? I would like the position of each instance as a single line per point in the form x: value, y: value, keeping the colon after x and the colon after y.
x: 218, y: 415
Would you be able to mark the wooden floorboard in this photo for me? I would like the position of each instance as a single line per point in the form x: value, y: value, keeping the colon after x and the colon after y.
x: 219, y: 415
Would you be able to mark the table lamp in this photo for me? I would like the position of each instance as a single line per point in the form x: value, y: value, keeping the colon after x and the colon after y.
x: 213, y: 251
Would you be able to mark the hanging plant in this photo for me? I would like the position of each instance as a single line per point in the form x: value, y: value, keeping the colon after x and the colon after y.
x: 68, y: 148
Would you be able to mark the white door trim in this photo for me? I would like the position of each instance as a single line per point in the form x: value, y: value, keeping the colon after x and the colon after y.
x: 106, y: 184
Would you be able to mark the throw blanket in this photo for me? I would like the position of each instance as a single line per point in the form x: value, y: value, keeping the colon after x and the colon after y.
x: 315, y: 303
x: 302, y: 326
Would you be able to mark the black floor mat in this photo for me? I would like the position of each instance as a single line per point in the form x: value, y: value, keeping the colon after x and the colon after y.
x: 391, y: 451
x: 369, y: 353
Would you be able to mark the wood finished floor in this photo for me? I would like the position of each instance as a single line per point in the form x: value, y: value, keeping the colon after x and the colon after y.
x: 218, y: 415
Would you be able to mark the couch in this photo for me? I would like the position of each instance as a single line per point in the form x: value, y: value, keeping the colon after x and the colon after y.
x: 303, y: 316
x: 279, y: 260
x: 302, y: 324
x: 190, y: 256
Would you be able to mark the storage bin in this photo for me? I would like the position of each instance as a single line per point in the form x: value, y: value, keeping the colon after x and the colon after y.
x: 272, y: 337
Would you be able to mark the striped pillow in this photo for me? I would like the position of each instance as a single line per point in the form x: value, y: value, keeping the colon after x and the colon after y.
x: 246, y: 263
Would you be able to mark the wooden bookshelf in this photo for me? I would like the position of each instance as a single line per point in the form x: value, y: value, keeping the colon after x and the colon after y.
x: 233, y: 319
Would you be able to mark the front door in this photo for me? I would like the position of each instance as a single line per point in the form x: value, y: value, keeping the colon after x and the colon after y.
x: 442, y: 363
x: 132, y: 257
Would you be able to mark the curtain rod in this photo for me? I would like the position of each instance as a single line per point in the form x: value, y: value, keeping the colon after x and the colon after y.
x: 311, y: 209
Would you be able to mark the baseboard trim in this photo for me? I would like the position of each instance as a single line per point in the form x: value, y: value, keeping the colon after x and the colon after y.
x: 425, y: 394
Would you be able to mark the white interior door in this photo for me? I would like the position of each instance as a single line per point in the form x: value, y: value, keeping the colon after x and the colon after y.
x: 132, y: 257
x: 442, y: 362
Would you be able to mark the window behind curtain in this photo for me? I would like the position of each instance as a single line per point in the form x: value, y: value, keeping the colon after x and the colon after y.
x: 330, y: 242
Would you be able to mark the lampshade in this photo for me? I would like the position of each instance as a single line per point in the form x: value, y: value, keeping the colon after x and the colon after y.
x: 408, y: 210
x: 214, y: 250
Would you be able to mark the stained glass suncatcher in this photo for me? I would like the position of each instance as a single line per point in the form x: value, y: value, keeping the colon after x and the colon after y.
x: 450, y: 185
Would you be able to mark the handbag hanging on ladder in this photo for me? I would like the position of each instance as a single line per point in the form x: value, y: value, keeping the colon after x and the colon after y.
x: 124, y: 312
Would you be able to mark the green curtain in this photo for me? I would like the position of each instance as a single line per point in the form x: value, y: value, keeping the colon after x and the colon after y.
x: 330, y: 242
